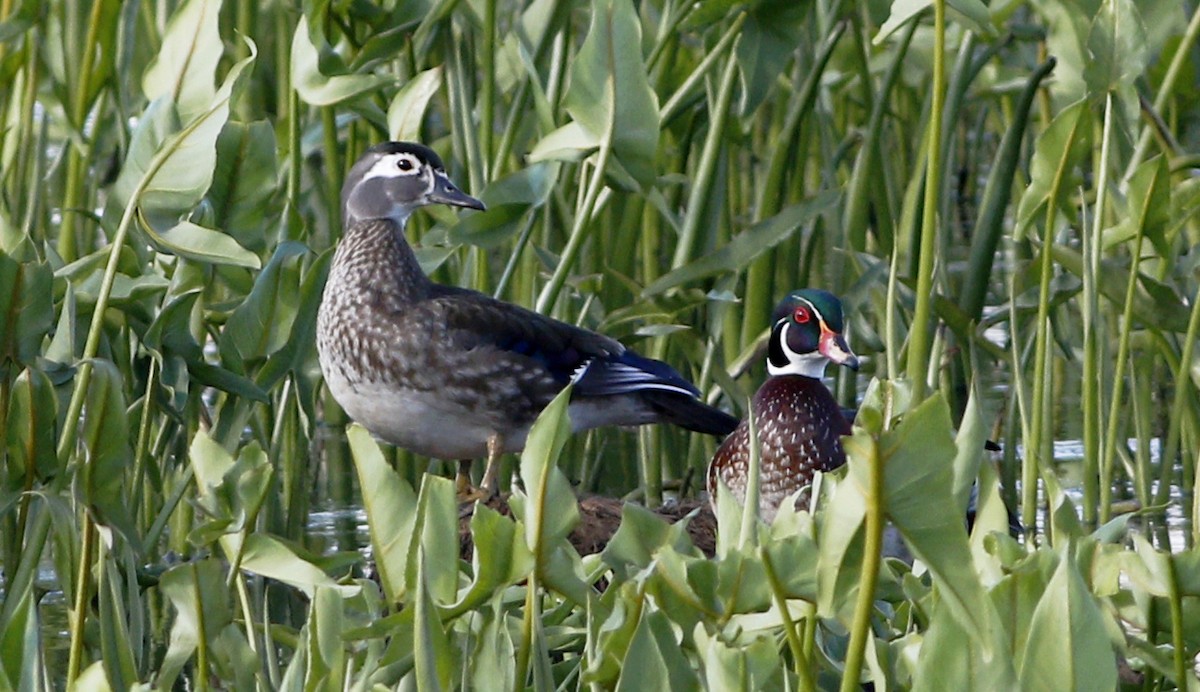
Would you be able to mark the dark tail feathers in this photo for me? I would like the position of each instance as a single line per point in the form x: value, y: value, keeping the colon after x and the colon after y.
x: 688, y: 412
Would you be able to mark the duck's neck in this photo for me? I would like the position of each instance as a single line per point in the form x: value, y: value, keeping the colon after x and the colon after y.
x: 374, y: 256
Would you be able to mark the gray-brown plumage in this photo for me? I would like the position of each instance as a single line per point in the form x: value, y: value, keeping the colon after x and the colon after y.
x: 451, y: 373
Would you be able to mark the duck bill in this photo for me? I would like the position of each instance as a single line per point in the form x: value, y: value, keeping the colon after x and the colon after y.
x: 834, y: 347
x: 444, y: 192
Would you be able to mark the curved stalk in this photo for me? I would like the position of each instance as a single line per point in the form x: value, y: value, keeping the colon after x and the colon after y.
x: 919, y: 340
x: 869, y: 577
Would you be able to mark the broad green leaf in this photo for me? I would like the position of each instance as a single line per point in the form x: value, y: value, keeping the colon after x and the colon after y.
x: 745, y: 247
x: 201, y: 244
x: 115, y: 612
x: 21, y: 660
x: 316, y: 88
x: 973, y: 12
x: 969, y: 447
x: 1154, y: 304
x: 1149, y: 207
x: 549, y: 507
x: 768, y: 43
x: 268, y: 557
x: 26, y: 309
x: 1058, y: 151
x: 326, y: 650
x: 170, y: 163
x: 1116, y: 47
x: 106, y: 436
x: 609, y: 93
x: 407, y: 109
x: 201, y: 601
x: 32, y: 430
x: 262, y: 324
x: 500, y: 558
x: 244, y: 183
x: 1067, y: 647
x: 654, y: 660
x: 391, y: 507
x: 186, y: 65
x: 437, y: 528
x: 571, y: 142
x: 918, y: 458
x: 951, y: 659
x: 434, y: 656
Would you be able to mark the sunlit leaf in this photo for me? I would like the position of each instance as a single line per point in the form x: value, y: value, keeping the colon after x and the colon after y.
x: 1059, y: 149
x: 200, y: 244
x: 407, y: 110
x: 185, y: 68
x: 609, y: 93
x: 391, y: 508
x: 315, y: 87
x: 1068, y: 647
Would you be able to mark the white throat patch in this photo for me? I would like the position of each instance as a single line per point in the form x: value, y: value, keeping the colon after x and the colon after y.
x: 806, y: 364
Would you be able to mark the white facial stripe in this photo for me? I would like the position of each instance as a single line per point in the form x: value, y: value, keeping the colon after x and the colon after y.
x: 806, y: 364
x: 388, y: 167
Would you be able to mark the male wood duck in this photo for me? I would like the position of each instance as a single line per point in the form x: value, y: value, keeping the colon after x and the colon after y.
x: 451, y: 373
x: 799, y: 424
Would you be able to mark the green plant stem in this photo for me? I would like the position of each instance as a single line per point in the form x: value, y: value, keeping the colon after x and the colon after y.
x: 487, y: 91
x: 1178, y: 644
x: 1108, y: 460
x: 860, y: 628
x: 919, y: 340
x: 579, y: 228
x: 1178, y: 404
x: 1179, y: 60
x: 1092, y: 368
x: 80, y: 600
x: 749, y: 533
x: 68, y: 241
x: 674, y: 104
x: 702, y: 182
x: 201, y: 679
x: 801, y: 661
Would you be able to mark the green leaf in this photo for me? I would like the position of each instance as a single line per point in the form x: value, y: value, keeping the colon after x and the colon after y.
x: 974, y: 12
x: 201, y: 244
x: 437, y: 528
x: 316, y: 88
x: 501, y: 559
x: 654, y: 660
x: 1063, y: 146
x: 244, y: 183
x: 434, y: 656
x: 918, y: 458
x: 745, y: 247
x: 262, y: 324
x: 26, y: 309
x: 1149, y: 207
x: 407, y: 109
x: 550, y: 508
x: 170, y: 163
x: 1116, y: 48
x: 106, y: 437
x: 268, y: 557
x: 610, y: 94
x: 32, y: 430
x: 1067, y: 646
x: 391, y: 507
x: 769, y: 38
x: 186, y: 65
x: 202, y: 605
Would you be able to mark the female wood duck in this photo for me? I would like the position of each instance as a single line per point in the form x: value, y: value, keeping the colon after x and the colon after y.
x: 799, y: 424
x: 451, y: 373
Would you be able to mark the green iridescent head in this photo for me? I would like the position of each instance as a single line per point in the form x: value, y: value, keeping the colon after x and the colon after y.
x: 807, y: 335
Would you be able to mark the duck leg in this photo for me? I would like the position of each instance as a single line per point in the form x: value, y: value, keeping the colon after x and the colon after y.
x: 495, y: 446
x: 462, y: 482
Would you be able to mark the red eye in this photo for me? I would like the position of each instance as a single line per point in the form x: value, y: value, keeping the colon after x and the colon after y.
x: 801, y: 315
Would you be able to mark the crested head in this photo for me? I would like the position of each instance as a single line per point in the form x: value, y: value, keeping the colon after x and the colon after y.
x: 392, y: 179
x: 806, y: 335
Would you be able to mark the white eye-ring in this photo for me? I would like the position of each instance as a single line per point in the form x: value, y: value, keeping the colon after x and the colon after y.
x: 405, y: 163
